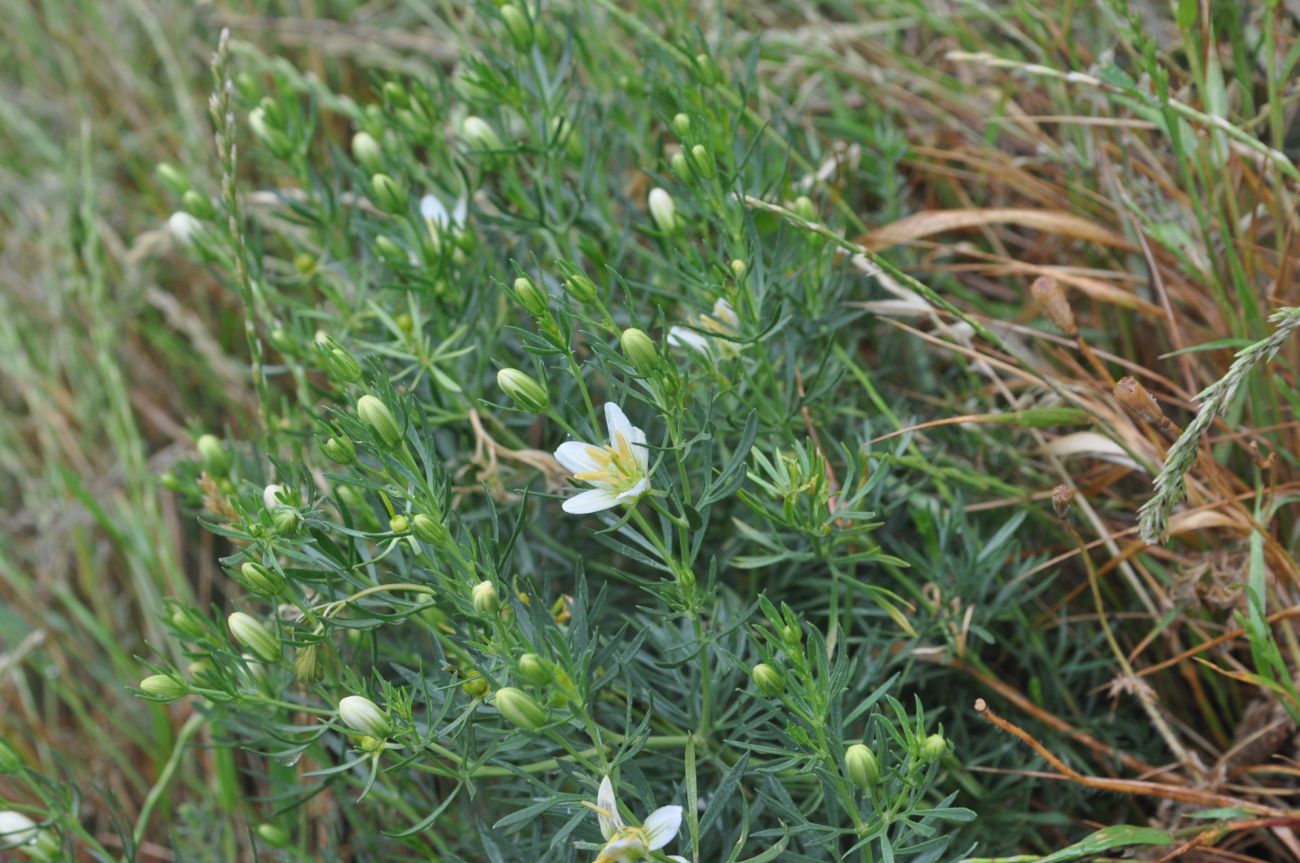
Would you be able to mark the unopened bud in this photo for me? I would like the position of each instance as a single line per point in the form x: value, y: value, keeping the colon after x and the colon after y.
x: 184, y: 228
x: 198, y: 205
x: 260, y: 579
x: 681, y: 167
x: 250, y: 632
x: 738, y: 267
x: 516, y: 706
x: 485, y: 598
x: 388, y: 249
x: 388, y: 194
x: 480, y: 135
x: 518, y: 27
x: 188, y: 623
x: 639, y: 350
x: 706, y: 70
x: 213, y: 454
x: 861, y: 765
x: 768, y: 680
x: 361, y: 714
x: 173, y: 178
x: 395, y: 93
x: 340, y: 450
x: 681, y: 125
x: 933, y: 747
x: 376, y: 414
x: 163, y: 687
x: 703, y: 161
x: 306, y: 664
x: 531, y: 297
x: 527, y: 393
x: 804, y: 208
x: 582, y: 289
x: 428, y: 530
x: 663, y: 211
x: 273, y: 835
x: 475, y: 686
x: 534, y: 669
x: 399, y: 524
x: 368, y: 152
x: 1049, y: 296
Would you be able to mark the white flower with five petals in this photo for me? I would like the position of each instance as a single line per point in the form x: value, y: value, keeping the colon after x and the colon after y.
x: 618, y: 470
x: 711, y: 333
x: 627, y: 844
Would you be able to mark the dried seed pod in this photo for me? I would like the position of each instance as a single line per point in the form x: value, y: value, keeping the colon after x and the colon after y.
x: 1062, y: 497
x: 1050, y: 297
x: 1138, y: 401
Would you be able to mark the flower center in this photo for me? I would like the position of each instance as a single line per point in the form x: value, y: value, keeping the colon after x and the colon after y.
x: 618, y: 466
x: 628, y: 844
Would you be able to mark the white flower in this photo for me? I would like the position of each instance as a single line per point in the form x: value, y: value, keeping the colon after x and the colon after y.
x: 624, y: 844
x: 663, y: 210
x: 722, y: 321
x: 438, y: 218
x: 16, y: 829
x: 619, y: 470
x: 271, y: 495
x: 362, y: 714
x: 183, y: 227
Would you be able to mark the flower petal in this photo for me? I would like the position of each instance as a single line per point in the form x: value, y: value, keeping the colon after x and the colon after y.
x: 724, y: 314
x: 594, y: 500
x: 662, y: 826
x: 617, y: 422
x: 624, y: 850
x: 628, y: 495
x: 433, y: 210
x: 607, y: 809
x: 682, y: 337
x: 575, y: 457
x: 459, y: 212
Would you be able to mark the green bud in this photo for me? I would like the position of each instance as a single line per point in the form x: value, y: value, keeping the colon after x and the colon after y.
x: 253, y: 634
x: 861, y: 765
x: 388, y: 249
x: 639, y: 350
x: 475, y: 686
x: 707, y: 71
x: 485, y: 598
x: 804, y: 208
x: 388, y: 194
x: 368, y: 152
x: 399, y: 524
x: 286, y: 519
x: 768, y: 680
x: 198, y: 205
x: 396, y: 94
x: 703, y: 161
x: 428, y: 530
x: 480, y: 135
x: 582, y: 289
x: 260, y: 579
x: 519, y: 28
x: 283, y: 341
x: 361, y: 714
x: 738, y: 268
x: 306, y: 664
x: 531, y: 297
x: 204, y: 674
x: 516, y: 706
x: 187, y: 622
x: 163, y: 687
x: 213, y: 454
x: 933, y: 748
x: 527, y: 393
x: 533, y: 669
x: 340, y: 450
x: 248, y: 87
x: 376, y: 414
x: 273, y: 835
x: 681, y: 167
x: 10, y: 761
x: 173, y: 178
x: 682, y: 125
x: 791, y: 634
x: 663, y: 211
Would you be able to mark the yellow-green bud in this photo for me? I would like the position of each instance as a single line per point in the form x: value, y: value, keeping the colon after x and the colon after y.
x: 283, y: 341
x: 399, y: 524
x: 480, y: 135
x: 204, y: 674
x: 861, y: 765
x: 306, y: 664
x: 663, y: 210
x: 173, y: 178
x: 388, y: 249
x: 188, y: 623
x: 485, y: 598
x: 706, y: 69
x: 791, y: 634
x: 534, y: 670
x: 682, y: 125
x: 681, y: 168
x: 768, y: 680
x: 703, y: 161
x: 260, y: 579
x: 368, y: 153
x: 163, y: 687
x: 516, y: 706
x: 361, y: 714
x: 519, y: 28
x: 804, y: 208
x: 10, y: 761
x: 738, y: 267
x: 527, y: 394
x: 475, y: 686
x: 531, y: 297
x: 639, y: 350
x: 376, y: 414
x: 933, y: 747
x: 273, y: 835
x: 253, y: 634
x: 387, y: 193
x: 285, y: 519
x: 582, y: 289
x: 213, y: 454
x: 428, y: 530
x: 340, y: 450
x: 396, y: 94
x: 198, y: 204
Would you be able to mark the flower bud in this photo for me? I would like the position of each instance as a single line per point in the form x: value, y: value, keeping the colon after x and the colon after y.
x: 706, y: 70
x: 399, y: 524
x: 516, y: 706
x: 475, y: 686
x: 173, y: 178
x: 531, y: 297
x: 395, y: 93
x: 340, y: 450
x: 862, y: 767
x: 933, y: 747
x: 682, y: 125
x: 368, y: 153
x: 534, y: 670
x: 768, y: 680
x: 187, y: 622
x: 703, y: 161
x: 738, y: 267
x: 480, y: 135
x: 260, y: 579
x: 198, y: 205
x: 10, y: 761
x: 163, y: 687
x: 17, y: 830
x: 428, y: 530
x: 582, y: 289
x: 519, y: 28
x: 804, y: 208
x: 273, y: 835
x: 527, y: 393
x: 213, y: 454
x: 183, y: 227
x: 663, y: 211
x: 376, y: 414
x: 253, y: 634
x: 485, y: 598
x: 681, y: 167
x: 390, y: 251
x: 362, y: 714
x: 271, y: 496
x: 204, y: 674
x: 639, y: 350
x: 387, y: 193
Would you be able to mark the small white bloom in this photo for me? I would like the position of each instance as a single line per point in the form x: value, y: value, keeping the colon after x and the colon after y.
x: 437, y: 218
x: 723, y: 322
x: 619, y: 470
x: 624, y: 844
x: 183, y: 227
x: 271, y: 495
x: 364, y: 715
x: 16, y: 830
x: 663, y: 210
